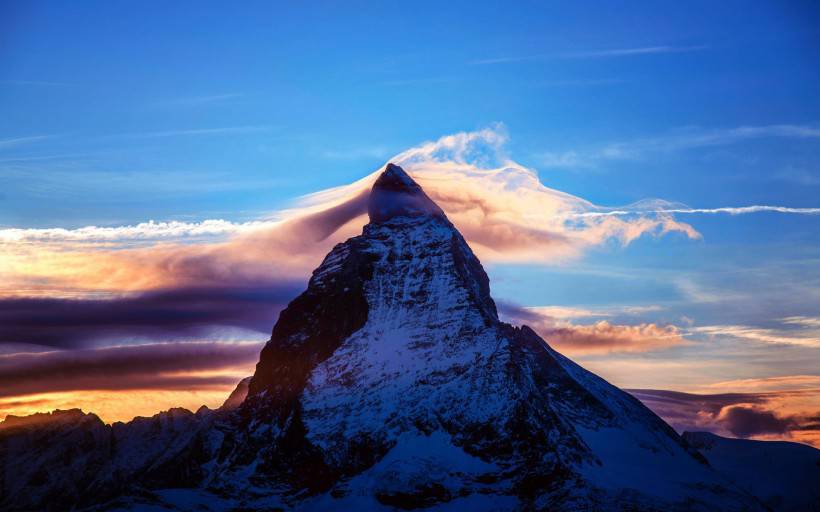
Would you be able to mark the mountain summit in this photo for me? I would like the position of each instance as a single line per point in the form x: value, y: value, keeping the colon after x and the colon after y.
x: 395, y: 194
x: 390, y: 382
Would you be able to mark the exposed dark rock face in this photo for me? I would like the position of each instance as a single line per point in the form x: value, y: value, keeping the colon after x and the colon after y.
x: 391, y: 383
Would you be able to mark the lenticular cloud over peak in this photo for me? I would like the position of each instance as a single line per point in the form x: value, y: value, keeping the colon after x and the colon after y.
x: 501, y: 207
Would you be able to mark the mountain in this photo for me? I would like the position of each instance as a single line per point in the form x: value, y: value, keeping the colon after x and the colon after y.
x: 785, y: 476
x: 390, y: 383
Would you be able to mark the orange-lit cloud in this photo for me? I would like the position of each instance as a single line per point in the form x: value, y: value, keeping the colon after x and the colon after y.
x: 500, y: 206
x: 783, y: 414
x: 188, y: 365
x: 600, y: 337
x: 121, y: 382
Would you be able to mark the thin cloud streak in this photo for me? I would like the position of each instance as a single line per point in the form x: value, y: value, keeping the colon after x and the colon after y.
x: 199, y: 131
x: 150, y: 230
x: 619, y: 52
x: 17, y: 141
x: 683, y: 140
x: 731, y: 210
x: 807, y: 338
x: 195, y: 101
x: 626, y: 52
x: 36, y: 82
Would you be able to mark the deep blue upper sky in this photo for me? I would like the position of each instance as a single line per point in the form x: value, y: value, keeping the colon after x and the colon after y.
x: 136, y: 110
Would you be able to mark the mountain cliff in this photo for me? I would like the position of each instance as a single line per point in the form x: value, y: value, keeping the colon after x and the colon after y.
x: 389, y: 383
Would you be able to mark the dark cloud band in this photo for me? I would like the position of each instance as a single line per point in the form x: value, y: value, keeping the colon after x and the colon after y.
x: 153, y: 366
x: 159, y: 315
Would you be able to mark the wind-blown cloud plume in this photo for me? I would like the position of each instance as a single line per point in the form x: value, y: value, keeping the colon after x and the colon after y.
x: 501, y: 207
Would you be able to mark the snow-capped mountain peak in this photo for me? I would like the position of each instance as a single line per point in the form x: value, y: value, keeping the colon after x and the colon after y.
x: 395, y: 194
x: 391, y: 383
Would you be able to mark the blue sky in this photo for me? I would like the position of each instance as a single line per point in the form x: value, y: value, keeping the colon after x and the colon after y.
x: 115, y: 113
x: 269, y: 102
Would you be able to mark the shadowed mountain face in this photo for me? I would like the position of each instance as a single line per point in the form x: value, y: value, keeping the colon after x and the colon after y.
x: 784, y: 476
x: 389, y: 383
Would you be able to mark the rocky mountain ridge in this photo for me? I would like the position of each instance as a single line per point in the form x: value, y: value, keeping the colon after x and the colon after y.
x: 389, y: 383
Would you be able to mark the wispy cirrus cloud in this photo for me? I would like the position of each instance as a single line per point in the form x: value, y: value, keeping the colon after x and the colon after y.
x: 356, y: 153
x: 223, y: 130
x: 419, y: 81
x: 43, y: 83
x: 767, y: 384
x: 628, y: 52
x: 591, y: 54
x: 684, y: 139
x: 200, y: 100
x: 19, y: 141
x: 675, y: 209
x: 802, y: 337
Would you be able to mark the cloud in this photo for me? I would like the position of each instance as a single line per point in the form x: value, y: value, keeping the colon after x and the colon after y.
x: 357, y: 153
x: 18, y: 141
x: 781, y: 383
x: 731, y: 210
x: 744, y: 421
x: 183, y: 365
x: 196, y: 101
x: 681, y: 140
x: 761, y: 415
x: 593, y: 54
x: 200, y: 131
x: 418, y: 81
x: 601, y: 337
x: 807, y: 338
x: 36, y: 82
x: 579, y: 82
x: 163, y: 315
x: 501, y: 207
x: 77, y: 262
x: 628, y: 52
x: 505, y: 212
x: 150, y: 230
x: 803, y: 321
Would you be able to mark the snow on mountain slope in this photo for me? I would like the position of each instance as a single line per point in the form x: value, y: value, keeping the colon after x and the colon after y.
x: 784, y: 475
x: 391, y: 383
x: 397, y: 338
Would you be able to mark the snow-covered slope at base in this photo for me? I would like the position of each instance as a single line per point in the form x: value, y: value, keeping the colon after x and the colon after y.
x: 785, y: 476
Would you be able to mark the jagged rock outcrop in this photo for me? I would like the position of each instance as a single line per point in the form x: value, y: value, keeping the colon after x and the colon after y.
x: 392, y: 383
